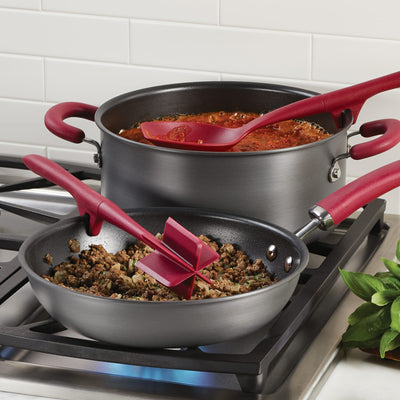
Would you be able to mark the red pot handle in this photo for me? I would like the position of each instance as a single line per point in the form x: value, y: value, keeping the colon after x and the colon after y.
x: 389, y: 129
x: 343, y: 202
x: 54, y: 120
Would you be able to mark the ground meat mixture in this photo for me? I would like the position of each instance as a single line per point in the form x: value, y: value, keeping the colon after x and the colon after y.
x: 95, y: 271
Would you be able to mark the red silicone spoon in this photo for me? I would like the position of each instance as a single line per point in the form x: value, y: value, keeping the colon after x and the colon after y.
x: 208, y: 137
x: 176, y: 260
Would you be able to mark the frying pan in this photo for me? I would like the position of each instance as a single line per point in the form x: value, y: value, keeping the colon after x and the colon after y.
x: 193, y: 322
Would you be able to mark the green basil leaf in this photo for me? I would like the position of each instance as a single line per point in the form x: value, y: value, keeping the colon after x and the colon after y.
x: 364, y: 310
x: 398, y: 251
x: 392, y: 266
x: 395, y: 314
x: 388, y: 280
x: 387, y: 338
x: 365, y: 344
x: 385, y: 296
x: 361, y: 284
x: 369, y: 327
x: 394, y: 344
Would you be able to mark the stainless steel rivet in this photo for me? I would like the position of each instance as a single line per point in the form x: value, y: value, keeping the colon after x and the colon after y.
x: 272, y: 252
x: 334, y: 173
x: 288, y: 263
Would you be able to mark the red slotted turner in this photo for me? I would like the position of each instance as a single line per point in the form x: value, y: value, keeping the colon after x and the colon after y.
x: 176, y: 260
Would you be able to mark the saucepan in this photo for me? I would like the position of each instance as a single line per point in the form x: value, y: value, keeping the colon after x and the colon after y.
x: 276, y: 186
x: 186, y: 323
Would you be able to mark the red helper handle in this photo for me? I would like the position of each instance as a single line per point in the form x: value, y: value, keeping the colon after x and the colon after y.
x: 54, y: 120
x: 389, y: 129
x: 342, y: 203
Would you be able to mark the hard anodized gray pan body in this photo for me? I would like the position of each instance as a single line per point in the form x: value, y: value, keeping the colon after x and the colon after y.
x: 165, y: 324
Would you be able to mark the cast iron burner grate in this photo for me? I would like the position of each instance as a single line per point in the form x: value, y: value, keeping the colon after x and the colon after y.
x: 277, y: 349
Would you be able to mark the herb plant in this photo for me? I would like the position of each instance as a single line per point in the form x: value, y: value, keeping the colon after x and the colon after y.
x: 376, y: 323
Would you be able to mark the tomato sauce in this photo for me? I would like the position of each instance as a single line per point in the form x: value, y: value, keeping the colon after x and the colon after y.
x: 280, y: 135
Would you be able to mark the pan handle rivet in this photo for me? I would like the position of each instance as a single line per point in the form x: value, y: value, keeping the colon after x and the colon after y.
x: 288, y: 263
x: 272, y: 252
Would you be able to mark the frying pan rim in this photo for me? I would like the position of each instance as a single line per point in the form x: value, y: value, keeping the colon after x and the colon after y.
x: 46, y: 231
x: 117, y: 100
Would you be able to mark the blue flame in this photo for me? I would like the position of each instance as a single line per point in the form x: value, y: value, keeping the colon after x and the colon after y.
x: 178, y: 376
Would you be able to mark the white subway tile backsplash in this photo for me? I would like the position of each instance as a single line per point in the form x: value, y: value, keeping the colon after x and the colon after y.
x: 392, y: 199
x: 21, y: 77
x: 220, y: 49
x: 383, y: 105
x: 351, y: 60
x: 60, y: 35
x: 23, y: 122
x: 96, y: 83
x: 315, y: 86
x: 17, y: 149
x: 392, y: 202
x: 361, y: 18
x: 203, y: 12
x: 23, y: 4
x: 71, y: 155
x: 360, y: 167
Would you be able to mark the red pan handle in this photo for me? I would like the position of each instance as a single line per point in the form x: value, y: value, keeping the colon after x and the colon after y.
x: 54, y: 120
x: 342, y: 203
x: 389, y: 129
x: 354, y: 97
x: 100, y: 208
x: 350, y: 98
x: 90, y: 202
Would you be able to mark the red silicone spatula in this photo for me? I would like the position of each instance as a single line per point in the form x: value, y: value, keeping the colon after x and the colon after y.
x: 176, y: 260
x: 209, y: 137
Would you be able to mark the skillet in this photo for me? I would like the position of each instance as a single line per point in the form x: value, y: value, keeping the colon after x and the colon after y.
x: 193, y: 322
